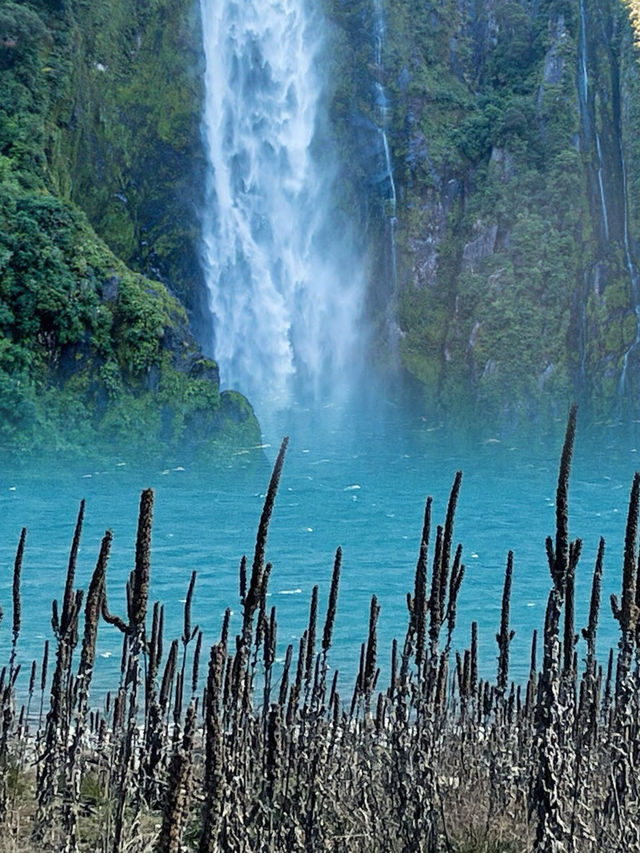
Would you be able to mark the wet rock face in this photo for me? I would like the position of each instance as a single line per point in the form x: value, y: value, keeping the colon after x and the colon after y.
x: 110, y: 288
x: 425, y: 246
x: 98, y: 186
x: 504, y: 163
x: 517, y: 167
x: 204, y: 368
x: 481, y: 247
x: 556, y: 57
x: 133, y: 146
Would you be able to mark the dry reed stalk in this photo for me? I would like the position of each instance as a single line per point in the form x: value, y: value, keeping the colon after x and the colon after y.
x: 43, y: 680
x: 455, y: 582
x: 371, y: 672
x: 419, y: 603
x: 284, y: 681
x: 273, y: 753
x: 393, y: 679
x: 168, y: 677
x: 311, y: 635
x: 447, y: 541
x: 176, y: 807
x: 551, y: 709
x: 294, y: 693
x: 214, y: 760
x: 195, y: 665
x: 590, y: 632
x: 30, y: 692
x: 505, y: 636
x: 359, y: 684
x: 153, y: 713
x: 7, y: 706
x: 65, y: 628
x: 73, y: 772
x: 243, y: 579
x: 188, y: 633
x: 437, y: 595
x: 437, y: 760
x: 154, y: 647
x: 473, y: 664
x: 462, y: 674
x: 93, y: 609
x: 17, y: 609
x: 251, y: 599
x: 262, y: 627
x: 588, y: 715
x: 69, y: 596
x: 134, y: 644
x: 559, y: 558
x: 570, y: 637
x: 532, y: 682
x: 269, y: 656
x: 154, y: 748
x: 627, y: 612
x: 332, y: 604
x: 142, y: 570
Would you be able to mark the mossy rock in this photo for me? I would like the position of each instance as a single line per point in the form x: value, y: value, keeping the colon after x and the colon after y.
x: 95, y: 355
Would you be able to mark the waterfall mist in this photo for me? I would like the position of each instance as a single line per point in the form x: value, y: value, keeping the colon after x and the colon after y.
x: 284, y: 282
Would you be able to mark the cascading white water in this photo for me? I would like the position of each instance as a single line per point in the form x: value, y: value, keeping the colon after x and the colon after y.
x: 284, y: 293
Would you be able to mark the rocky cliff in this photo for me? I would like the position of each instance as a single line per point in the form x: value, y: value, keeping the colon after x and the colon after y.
x: 490, y: 153
x: 100, y: 170
x: 513, y: 129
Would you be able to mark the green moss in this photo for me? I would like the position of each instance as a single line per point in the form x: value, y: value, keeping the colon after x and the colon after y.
x: 92, y: 354
x: 126, y: 133
x: 486, y: 133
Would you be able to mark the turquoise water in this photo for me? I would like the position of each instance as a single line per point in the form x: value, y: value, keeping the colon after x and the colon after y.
x: 359, y: 484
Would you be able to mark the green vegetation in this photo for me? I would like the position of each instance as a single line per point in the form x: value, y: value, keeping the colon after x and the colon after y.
x: 495, y: 329
x: 518, y: 210
x: 92, y: 352
x: 513, y: 292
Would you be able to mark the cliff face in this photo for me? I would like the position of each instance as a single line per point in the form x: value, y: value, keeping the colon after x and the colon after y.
x: 491, y: 154
x: 513, y: 132
x: 99, y: 165
x: 127, y: 134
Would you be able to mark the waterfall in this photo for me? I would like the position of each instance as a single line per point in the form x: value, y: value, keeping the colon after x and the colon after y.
x: 617, y: 190
x: 632, y: 270
x: 382, y: 119
x: 285, y: 292
x: 589, y: 132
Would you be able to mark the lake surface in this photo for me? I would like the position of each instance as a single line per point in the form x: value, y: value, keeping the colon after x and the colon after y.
x: 359, y: 483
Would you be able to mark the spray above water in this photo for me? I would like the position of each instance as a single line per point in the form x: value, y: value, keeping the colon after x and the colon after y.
x: 284, y: 294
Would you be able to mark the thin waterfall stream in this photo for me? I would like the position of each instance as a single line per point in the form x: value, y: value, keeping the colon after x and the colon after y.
x: 285, y: 291
x: 382, y: 118
x: 591, y: 132
x: 592, y: 136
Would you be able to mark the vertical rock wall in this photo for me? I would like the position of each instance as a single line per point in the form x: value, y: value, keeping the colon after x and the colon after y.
x: 515, y: 155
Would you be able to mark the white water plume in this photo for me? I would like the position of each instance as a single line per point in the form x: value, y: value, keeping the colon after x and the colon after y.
x: 284, y: 293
